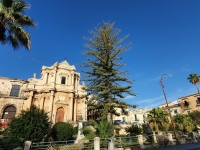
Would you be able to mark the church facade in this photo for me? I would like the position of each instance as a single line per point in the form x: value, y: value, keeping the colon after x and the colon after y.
x: 58, y: 92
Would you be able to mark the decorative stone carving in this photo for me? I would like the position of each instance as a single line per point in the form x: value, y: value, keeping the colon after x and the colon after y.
x: 62, y: 100
x: 34, y: 75
x: 83, y: 83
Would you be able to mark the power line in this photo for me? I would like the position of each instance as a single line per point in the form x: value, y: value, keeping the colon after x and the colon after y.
x: 24, y: 57
x: 154, y: 87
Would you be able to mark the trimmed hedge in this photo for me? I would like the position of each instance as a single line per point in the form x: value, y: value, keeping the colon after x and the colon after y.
x: 62, y: 131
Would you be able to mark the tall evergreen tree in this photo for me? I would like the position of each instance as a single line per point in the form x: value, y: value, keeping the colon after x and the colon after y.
x: 106, y: 82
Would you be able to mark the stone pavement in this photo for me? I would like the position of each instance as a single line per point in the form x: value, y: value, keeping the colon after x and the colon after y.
x: 189, y: 146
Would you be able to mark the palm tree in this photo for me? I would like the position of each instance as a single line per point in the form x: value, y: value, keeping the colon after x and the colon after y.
x: 194, y: 79
x: 157, y: 118
x: 12, y: 23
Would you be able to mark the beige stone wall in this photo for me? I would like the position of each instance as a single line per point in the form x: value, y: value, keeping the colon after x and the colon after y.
x: 7, y: 100
x: 192, y: 101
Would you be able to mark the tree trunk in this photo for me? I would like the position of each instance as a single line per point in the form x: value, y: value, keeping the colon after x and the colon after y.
x: 109, y: 117
x: 2, y: 30
x: 197, y: 88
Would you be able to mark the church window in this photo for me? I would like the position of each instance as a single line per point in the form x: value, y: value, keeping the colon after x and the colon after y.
x: 63, y: 80
x: 186, y: 104
x: 198, y: 100
x: 15, y: 90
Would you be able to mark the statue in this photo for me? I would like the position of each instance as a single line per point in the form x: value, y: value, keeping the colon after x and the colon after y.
x: 83, y: 83
x: 34, y: 75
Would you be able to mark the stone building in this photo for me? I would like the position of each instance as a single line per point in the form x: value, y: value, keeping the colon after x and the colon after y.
x: 58, y: 92
x: 190, y: 103
x: 174, y: 106
x: 134, y: 116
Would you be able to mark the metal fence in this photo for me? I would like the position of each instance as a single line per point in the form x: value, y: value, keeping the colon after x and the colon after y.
x: 130, y: 142
x: 64, y: 145
x: 61, y: 145
x: 12, y: 146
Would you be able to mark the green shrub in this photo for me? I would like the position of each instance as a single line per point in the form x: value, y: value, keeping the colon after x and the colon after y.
x: 32, y: 124
x: 62, y: 131
x: 75, y: 131
x: 88, y: 132
x: 102, y: 129
x: 134, y: 130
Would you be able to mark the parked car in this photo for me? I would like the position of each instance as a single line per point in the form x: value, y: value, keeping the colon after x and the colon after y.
x: 116, y: 122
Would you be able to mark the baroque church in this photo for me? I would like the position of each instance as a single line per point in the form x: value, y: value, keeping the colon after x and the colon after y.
x: 56, y: 92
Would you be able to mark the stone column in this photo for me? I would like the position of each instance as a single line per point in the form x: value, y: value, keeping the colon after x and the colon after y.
x: 85, y: 110
x: 169, y: 135
x: 53, y: 82
x: 154, y: 137
x: 41, y: 103
x: 46, y: 77
x: 54, y: 114
x: 74, y: 110
x: 66, y: 113
x: 140, y: 141
x: 51, y: 104
x: 77, y: 83
x: 27, y: 145
x: 96, y: 143
x: 111, y: 145
x: 70, y: 108
x: 72, y: 79
x: 28, y: 103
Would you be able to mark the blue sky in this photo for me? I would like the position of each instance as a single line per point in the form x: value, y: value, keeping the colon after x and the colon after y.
x: 165, y: 38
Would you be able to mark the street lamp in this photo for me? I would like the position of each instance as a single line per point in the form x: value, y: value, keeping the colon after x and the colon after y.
x: 172, y: 122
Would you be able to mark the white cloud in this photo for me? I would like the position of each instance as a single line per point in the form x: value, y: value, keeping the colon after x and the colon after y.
x: 150, y: 100
x: 185, y: 68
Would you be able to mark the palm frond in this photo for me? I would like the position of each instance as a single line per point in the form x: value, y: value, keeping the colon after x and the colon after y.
x: 20, y: 6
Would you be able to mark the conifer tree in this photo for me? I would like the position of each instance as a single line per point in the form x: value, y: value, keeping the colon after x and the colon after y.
x: 105, y: 81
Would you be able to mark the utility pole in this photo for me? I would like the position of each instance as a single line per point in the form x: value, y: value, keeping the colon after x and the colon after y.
x: 172, y: 122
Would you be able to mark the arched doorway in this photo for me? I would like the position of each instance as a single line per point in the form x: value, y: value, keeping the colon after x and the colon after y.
x: 9, y: 112
x: 60, y: 115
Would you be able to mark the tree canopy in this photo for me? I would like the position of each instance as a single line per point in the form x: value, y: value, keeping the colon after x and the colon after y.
x: 105, y: 81
x: 194, y: 79
x: 184, y: 123
x: 13, y: 22
x: 158, y: 119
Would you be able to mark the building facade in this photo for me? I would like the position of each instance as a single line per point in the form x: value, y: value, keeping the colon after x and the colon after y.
x: 174, y: 106
x: 135, y: 116
x: 58, y: 92
x: 190, y: 103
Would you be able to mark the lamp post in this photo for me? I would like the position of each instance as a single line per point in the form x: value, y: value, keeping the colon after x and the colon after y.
x: 172, y: 122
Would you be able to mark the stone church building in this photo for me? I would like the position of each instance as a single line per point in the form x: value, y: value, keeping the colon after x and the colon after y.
x: 58, y: 92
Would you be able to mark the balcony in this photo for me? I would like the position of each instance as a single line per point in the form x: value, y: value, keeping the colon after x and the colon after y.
x: 198, y: 102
